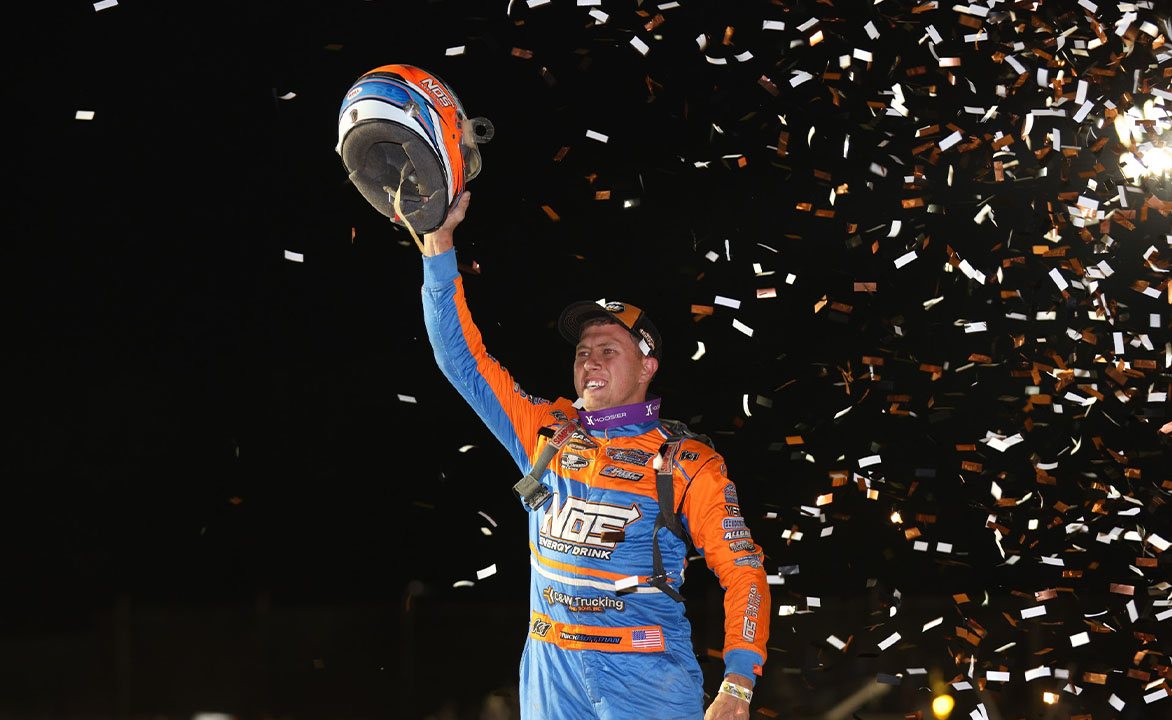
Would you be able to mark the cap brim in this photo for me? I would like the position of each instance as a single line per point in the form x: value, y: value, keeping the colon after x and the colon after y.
x: 575, y: 315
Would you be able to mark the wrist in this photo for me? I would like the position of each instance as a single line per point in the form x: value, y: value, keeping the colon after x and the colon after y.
x: 437, y: 242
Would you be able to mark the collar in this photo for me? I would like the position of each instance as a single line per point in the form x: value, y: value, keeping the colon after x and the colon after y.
x: 638, y: 413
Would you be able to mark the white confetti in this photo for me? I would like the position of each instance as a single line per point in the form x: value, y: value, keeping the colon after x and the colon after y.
x: 406, y: 399
x: 294, y: 256
x: 486, y: 572
x: 742, y: 327
x: 1038, y: 672
x: 590, y: 134
x: 83, y: 115
x: 905, y: 258
x: 869, y: 461
x: 889, y: 641
x: 456, y: 50
x: 104, y: 5
x: 951, y: 140
x: 639, y: 45
x: 727, y: 302
x: 627, y: 582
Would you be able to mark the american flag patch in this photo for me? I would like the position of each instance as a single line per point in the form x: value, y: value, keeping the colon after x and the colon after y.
x: 646, y: 638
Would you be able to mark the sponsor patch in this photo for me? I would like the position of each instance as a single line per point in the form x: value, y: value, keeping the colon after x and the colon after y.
x: 753, y: 606
x: 570, y: 461
x: 581, y: 441
x: 748, y: 561
x: 736, y: 534
x: 615, y: 307
x: 749, y: 630
x: 578, y: 527
x: 732, y: 523
x: 579, y: 603
x: 615, y: 471
x: 734, y: 510
x: 540, y: 627
x: 730, y: 493
x: 533, y: 399
x: 631, y: 456
x: 688, y: 456
x: 742, y: 545
x: 584, y: 638
x: 559, y: 415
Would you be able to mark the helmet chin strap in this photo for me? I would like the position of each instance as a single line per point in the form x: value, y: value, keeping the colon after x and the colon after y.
x: 393, y: 196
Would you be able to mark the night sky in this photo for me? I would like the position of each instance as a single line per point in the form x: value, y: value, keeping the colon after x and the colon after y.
x: 902, y: 279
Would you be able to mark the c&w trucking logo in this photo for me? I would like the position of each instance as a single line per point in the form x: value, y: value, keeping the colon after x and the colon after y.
x: 576, y: 526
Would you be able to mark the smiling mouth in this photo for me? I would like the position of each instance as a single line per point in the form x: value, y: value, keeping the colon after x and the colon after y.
x: 595, y: 384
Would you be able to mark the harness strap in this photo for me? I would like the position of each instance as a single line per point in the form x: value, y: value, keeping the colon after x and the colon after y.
x: 529, y: 489
x: 667, y: 517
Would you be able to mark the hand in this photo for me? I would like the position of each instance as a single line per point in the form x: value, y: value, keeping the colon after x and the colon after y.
x: 441, y: 240
x: 727, y: 707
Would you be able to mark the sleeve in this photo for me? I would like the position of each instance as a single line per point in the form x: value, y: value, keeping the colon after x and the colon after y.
x: 713, y: 515
x: 512, y: 415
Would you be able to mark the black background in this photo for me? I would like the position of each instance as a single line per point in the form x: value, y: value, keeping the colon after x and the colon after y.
x: 214, y: 497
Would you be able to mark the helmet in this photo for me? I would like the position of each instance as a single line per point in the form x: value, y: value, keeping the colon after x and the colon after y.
x: 404, y: 137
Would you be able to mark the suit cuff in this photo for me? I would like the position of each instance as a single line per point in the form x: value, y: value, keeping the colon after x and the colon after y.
x: 439, y: 271
x: 742, y: 662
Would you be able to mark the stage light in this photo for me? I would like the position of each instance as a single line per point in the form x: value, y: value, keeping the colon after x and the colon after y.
x: 942, y: 706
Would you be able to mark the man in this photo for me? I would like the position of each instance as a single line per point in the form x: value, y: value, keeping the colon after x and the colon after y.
x: 607, y: 635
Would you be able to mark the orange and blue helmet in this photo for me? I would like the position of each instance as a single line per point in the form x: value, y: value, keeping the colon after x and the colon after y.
x: 404, y: 138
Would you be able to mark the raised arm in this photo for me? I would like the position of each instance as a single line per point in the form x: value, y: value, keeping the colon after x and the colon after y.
x: 512, y: 415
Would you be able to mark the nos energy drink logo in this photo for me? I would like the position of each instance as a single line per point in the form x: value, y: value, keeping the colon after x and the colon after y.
x: 576, y: 526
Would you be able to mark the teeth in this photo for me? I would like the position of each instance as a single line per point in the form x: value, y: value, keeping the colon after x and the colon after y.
x: 595, y: 384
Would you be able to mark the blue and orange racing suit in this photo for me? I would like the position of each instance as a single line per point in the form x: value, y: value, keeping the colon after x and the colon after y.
x: 603, y: 643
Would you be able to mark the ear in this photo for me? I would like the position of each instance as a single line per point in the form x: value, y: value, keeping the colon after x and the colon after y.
x: 650, y: 367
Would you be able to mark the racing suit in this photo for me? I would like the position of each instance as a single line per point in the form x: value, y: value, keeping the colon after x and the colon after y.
x: 603, y: 643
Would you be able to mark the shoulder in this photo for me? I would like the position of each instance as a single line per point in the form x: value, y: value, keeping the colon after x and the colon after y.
x: 557, y: 411
x: 696, y: 451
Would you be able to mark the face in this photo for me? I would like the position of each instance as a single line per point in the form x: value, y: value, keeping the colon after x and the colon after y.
x: 609, y: 368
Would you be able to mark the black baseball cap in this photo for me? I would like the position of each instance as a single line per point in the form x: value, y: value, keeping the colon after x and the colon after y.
x: 632, y: 318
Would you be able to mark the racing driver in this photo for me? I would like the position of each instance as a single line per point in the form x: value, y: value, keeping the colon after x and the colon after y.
x: 607, y: 634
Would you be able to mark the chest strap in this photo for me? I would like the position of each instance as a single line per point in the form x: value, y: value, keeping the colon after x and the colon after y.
x: 529, y: 489
x: 667, y: 517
